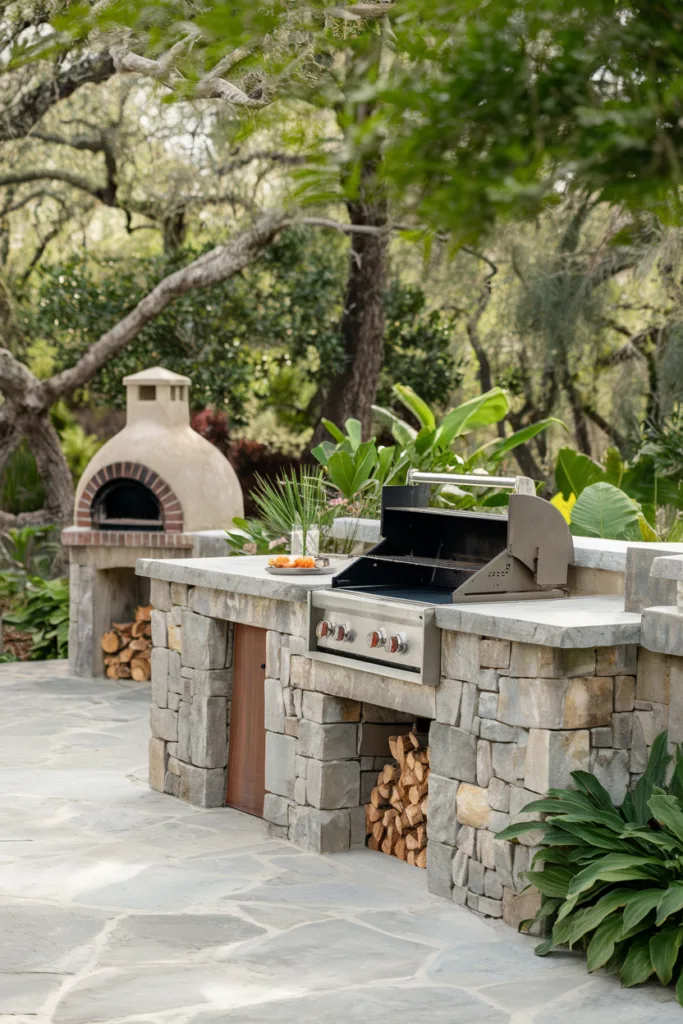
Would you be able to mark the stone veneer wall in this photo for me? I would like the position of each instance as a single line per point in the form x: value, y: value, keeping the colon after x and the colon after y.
x: 508, y: 721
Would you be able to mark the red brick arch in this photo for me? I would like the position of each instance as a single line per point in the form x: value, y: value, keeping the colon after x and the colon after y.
x: 171, y: 509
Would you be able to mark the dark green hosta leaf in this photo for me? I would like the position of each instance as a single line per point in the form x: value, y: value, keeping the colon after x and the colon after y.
x: 601, y: 947
x: 600, y: 838
x: 676, y: 783
x: 640, y: 905
x: 615, y: 867
x: 585, y: 921
x: 637, y: 965
x: 667, y: 811
x: 664, y: 947
x: 519, y: 829
x: 654, y: 776
x: 679, y: 988
x: 671, y: 901
x: 593, y: 788
x: 552, y: 881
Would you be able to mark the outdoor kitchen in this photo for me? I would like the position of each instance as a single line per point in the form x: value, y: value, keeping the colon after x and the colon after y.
x: 416, y: 700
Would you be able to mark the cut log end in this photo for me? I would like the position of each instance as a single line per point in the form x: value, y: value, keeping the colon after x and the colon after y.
x: 396, y: 815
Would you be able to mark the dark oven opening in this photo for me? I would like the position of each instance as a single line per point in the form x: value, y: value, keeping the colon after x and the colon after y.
x: 126, y: 505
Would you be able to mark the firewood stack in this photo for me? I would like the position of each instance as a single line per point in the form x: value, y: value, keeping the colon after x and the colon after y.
x: 396, y: 817
x: 128, y: 647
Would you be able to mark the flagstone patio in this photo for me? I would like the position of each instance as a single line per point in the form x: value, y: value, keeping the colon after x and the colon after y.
x: 119, y: 904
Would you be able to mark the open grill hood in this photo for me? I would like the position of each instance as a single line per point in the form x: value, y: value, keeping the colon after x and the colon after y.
x: 442, y: 556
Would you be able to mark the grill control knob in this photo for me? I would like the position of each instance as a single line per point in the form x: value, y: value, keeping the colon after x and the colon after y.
x: 376, y: 639
x: 323, y: 629
x: 397, y: 644
x: 341, y: 633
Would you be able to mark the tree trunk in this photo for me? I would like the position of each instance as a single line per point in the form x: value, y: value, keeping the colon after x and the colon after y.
x: 352, y: 388
x: 43, y: 440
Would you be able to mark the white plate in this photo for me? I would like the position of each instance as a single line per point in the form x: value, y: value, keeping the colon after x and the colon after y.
x: 328, y: 570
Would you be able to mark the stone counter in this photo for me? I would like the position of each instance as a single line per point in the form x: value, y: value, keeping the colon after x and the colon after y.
x: 529, y: 691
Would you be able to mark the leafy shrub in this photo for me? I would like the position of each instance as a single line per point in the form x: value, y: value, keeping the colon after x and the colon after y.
x: 618, y: 501
x: 44, y: 613
x: 359, y: 469
x: 252, y: 537
x: 28, y: 550
x: 611, y: 878
x: 21, y: 489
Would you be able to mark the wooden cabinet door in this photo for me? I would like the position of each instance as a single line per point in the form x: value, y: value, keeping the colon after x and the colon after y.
x: 247, y: 749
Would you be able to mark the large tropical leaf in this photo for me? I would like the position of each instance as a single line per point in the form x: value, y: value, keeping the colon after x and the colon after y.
x: 575, y: 471
x: 416, y: 405
x: 603, y: 510
x: 401, y: 431
x: 481, y: 411
x: 664, y: 947
x: 354, y: 429
x: 333, y: 429
x: 497, y: 450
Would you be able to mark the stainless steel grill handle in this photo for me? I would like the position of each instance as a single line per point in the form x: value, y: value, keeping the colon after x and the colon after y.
x: 518, y: 484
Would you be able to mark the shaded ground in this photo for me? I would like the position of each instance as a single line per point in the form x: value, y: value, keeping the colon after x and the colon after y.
x: 119, y: 904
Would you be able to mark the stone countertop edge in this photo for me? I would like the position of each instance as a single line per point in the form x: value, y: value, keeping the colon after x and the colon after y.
x: 578, y: 622
x: 242, y: 574
x: 573, y: 623
x: 668, y: 567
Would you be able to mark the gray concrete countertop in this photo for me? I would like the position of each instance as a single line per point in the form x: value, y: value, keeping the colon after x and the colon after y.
x: 668, y: 567
x: 242, y: 574
x: 576, y: 622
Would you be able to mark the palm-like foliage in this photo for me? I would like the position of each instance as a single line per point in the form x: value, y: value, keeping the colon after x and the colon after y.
x: 611, y: 878
x: 298, y: 501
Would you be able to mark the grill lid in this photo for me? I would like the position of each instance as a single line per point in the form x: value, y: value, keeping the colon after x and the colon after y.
x: 442, y: 555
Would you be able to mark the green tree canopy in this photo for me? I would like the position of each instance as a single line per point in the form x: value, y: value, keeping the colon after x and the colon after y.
x: 500, y: 108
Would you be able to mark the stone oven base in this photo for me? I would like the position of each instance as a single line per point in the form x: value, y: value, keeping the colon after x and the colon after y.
x: 508, y: 721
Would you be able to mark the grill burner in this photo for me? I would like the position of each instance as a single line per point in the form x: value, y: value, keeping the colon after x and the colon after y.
x: 126, y: 505
x: 433, y: 556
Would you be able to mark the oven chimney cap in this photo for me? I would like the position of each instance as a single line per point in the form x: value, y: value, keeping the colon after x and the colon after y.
x: 159, y: 396
x: 155, y: 375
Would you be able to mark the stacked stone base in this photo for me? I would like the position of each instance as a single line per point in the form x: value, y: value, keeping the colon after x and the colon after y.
x: 191, y: 689
x: 508, y: 721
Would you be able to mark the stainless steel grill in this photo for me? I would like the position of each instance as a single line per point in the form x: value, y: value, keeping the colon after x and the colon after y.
x: 379, y: 612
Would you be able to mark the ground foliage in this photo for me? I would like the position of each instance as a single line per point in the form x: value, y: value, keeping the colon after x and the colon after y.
x: 611, y: 877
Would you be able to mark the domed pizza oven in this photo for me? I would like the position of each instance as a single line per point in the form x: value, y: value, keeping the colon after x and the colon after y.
x: 153, y: 490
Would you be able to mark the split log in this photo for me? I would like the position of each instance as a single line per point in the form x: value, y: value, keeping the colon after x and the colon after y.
x: 128, y: 648
x: 395, y: 817
x: 140, y: 670
x: 111, y: 642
